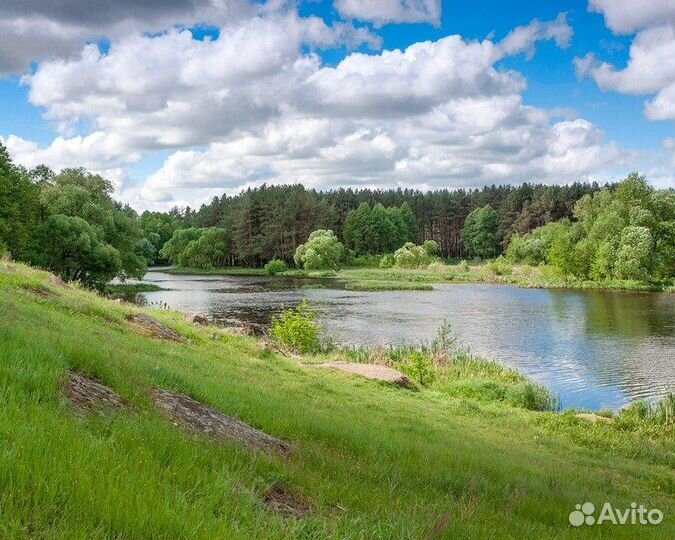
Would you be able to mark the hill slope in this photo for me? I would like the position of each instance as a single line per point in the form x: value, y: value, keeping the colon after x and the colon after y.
x: 368, y: 460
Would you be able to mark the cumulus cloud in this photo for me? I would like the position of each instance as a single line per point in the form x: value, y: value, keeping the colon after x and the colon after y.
x: 629, y: 16
x: 256, y: 104
x: 651, y: 64
x: 382, y: 12
x: 33, y: 30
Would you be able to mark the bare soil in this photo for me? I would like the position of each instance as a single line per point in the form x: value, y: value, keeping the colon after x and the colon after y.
x: 372, y: 371
x: 87, y: 394
x: 196, y: 416
x: 283, y: 500
x: 155, y: 328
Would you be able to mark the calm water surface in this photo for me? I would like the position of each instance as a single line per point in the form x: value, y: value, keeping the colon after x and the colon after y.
x: 595, y: 349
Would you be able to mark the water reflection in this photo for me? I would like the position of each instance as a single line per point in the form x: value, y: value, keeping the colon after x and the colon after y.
x: 597, y: 349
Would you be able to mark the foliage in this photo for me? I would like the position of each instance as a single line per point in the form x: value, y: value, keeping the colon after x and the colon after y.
x: 371, y: 231
x: 276, y: 266
x: 411, y: 256
x: 207, y: 251
x: 297, y: 329
x: 500, y: 266
x: 373, y: 285
x: 197, y: 248
x: 322, y: 250
x: 387, y: 261
x: 19, y: 210
x: 479, y: 235
x: 626, y: 233
x: 78, y: 193
x: 72, y: 248
x: 158, y: 228
x: 431, y: 248
x: 419, y: 367
x: 178, y: 243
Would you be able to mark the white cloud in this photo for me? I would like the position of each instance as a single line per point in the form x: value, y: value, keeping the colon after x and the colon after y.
x: 382, y: 12
x: 98, y: 151
x: 629, y: 16
x: 35, y: 30
x: 651, y: 65
x: 256, y: 106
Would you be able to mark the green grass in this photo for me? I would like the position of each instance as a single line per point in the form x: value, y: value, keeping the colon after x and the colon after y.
x: 224, y: 271
x: 377, y: 462
x: 129, y: 290
x: 372, y: 285
x: 483, y: 272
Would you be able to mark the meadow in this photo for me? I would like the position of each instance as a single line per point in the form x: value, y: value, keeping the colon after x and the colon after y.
x: 459, y: 458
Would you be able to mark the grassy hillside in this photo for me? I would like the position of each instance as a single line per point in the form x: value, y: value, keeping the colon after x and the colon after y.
x: 370, y: 461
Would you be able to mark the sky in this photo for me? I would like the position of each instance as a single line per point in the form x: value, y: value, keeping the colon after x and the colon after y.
x: 178, y: 101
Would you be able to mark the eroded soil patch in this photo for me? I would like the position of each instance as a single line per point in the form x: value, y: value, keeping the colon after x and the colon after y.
x: 371, y: 371
x: 38, y: 291
x: 154, y: 327
x: 87, y: 394
x: 56, y: 281
x: 196, y: 416
x: 282, y: 500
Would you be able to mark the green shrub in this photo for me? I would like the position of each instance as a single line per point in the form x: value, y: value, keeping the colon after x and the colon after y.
x: 367, y: 261
x: 438, y: 267
x: 420, y: 367
x: 387, y: 261
x: 432, y: 248
x: 532, y: 396
x: 411, y: 256
x: 321, y: 251
x: 276, y: 266
x: 500, y: 266
x: 297, y: 329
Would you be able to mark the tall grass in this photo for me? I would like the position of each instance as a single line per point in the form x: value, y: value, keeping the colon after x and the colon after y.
x: 375, y: 462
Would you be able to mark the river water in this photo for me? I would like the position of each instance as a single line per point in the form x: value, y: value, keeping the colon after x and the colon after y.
x: 595, y: 349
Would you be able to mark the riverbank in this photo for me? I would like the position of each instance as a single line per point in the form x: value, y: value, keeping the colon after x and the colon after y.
x: 365, y: 459
x: 541, y: 277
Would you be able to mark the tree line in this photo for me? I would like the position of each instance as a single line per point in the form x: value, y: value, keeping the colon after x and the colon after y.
x: 69, y: 223
x: 627, y: 233
x: 270, y: 222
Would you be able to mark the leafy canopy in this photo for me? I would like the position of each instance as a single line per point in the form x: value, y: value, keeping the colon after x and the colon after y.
x: 322, y: 250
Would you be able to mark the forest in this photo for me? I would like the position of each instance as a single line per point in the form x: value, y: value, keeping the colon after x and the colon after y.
x: 69, y: 223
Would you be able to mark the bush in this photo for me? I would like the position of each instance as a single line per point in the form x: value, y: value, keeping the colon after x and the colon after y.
x: 431, y: 247
x: 367, y: 261
x: 387, y: 261
x: 411, y: 256
x: 321, y: 251
x: 500, y: 266
x: 420, y: 367
x: 296, y: 329
x: 276, y: 266
x: 438, y: 267
x: 532, y: 397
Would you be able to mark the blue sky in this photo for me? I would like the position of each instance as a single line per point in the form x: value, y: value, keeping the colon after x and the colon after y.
x: 282, y: 92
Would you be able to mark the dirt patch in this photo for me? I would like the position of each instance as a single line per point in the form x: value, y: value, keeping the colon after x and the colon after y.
x: 283, y: 500
x: 87, y: 394
x: 201, y: 320
x: 251, y: 329
x: 372, y: 371
x: 38, y: 291
x: 196, y: 416
x: 56, y: 281
x: 155, y: 328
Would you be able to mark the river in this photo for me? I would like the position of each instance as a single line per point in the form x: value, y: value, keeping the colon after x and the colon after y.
x: 595, y: 349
